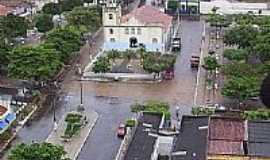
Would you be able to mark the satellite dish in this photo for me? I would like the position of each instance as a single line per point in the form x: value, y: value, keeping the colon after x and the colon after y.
x: 265, y: 91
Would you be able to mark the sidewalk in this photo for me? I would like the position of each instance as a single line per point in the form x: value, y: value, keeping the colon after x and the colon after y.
x: 73, y: 147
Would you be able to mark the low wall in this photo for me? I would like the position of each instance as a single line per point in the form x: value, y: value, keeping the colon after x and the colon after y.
x: 120, y: 77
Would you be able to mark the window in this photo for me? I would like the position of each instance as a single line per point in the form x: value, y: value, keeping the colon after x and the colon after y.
x: 110, y: 16
x: 126, y: 31
x: 132, y: 30
x: 154, y: 40
x: 111, y: 31
x: 139, y: 31
x: 112, y: 39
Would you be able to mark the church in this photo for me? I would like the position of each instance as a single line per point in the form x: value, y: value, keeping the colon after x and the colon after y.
x: 145, y: 26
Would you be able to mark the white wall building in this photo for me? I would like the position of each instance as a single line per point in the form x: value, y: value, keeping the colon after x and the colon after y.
x: 144, y: 26
x: 227, y: 7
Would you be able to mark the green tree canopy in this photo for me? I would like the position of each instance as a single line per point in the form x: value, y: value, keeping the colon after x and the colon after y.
x: 154, y: 63
x: 241, y: 88
x: 37, y: 151
x: 33, y: 63
x: 64, y: 40
x: 68, y: 5
x: 13, y: 26
x: 43, y: 22
x: 235, y: 54
x: 210, y: 63
x: 217, y: 20
x: 4, y: 51
x: 90, y: 17
x: 262, y: 47
x: 52, y: 8
x: 102, y: 65
x: 243, y: 36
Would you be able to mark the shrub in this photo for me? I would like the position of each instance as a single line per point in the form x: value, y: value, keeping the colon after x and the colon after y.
x: 130, y: 123
x: 153, y: 106
x: 202, y: 111
x: 256, y: 115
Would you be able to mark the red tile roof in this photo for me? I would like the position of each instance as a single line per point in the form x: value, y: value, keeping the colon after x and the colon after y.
x: 225, y: 147
x: 4, y: 10
x: 3, y: 110
x: 226, y: 136
x: 149, y: 15
x: 226, y: 129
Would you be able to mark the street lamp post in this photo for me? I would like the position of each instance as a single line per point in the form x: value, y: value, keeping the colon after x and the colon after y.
x: 81, y: 107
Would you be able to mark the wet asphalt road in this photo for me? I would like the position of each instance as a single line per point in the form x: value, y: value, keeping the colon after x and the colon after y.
x: 112, y: 101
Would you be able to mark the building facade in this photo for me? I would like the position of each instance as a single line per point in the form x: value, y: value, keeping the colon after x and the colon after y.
x: 143, y: 27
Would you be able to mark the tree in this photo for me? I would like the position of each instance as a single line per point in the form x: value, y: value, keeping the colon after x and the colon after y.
x: 217, y: 20
x: 262, y: 47
x: 12, y: 26
x: 52, y: 8
x: 102, y: 65
x: 113, y: 54
x: 37, y: 151
x: 89, y: 17
x: 240, y: 69
x: 4, y: 51
x: 68, y: 5
x: 154, y: 63
x: 33, y: 63
x: 64, y: 40
x: 243, y: 36
x: 210, y: 63
x: 235, y: 54
x: 241, y: 88
x: 43, y: 22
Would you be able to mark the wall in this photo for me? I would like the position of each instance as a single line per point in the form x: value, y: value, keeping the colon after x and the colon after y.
x: 227, y: 157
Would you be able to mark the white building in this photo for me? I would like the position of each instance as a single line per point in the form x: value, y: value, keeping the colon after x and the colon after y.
x: 228, y: 7
x: 145, y: 26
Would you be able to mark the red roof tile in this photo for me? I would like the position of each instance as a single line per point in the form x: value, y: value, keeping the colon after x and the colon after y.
x: 3, y: 110
x: 226, y: 129
x: 225, y: 147
x: 4, y: 10
x: 149, y: 15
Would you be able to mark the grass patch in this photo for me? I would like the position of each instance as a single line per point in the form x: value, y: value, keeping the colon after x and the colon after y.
x: 153, y: 106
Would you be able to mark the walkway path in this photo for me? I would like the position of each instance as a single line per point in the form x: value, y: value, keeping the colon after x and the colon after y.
x: 74, y: 146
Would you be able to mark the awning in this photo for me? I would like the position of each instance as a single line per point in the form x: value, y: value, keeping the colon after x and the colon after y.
x: 10, y: 117
x: 3, y: 124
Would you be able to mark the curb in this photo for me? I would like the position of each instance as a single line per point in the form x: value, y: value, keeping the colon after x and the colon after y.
x: 89, y: 132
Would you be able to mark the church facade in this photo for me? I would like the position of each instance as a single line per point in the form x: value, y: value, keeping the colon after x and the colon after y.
x: 143, y: 27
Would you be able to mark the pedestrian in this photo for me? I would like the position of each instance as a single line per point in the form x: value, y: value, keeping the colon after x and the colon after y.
x: 55, y: 126
x: 177, y: 112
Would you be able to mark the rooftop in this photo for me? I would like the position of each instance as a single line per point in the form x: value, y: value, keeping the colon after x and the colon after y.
x: 259, y: 138
x: 226, y: 136
x: 226, y: 129
x: 149, y: 15
x: 3, y: 110
x: 142, y: 142
x: 8, y: 91
x: 4, y: 10
x: 192, y: 139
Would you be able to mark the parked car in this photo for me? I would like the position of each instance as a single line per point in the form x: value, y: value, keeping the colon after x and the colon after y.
x: 121, y: 130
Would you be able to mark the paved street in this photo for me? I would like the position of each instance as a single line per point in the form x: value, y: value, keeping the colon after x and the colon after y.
x: 112, y: 100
